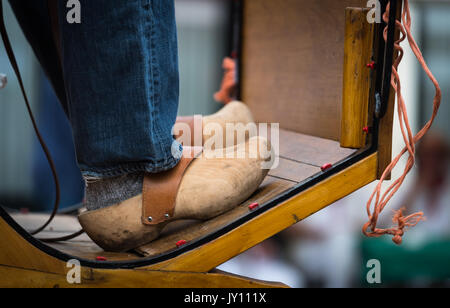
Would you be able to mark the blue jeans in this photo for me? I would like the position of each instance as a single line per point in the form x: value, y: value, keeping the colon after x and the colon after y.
x: 116, y: 75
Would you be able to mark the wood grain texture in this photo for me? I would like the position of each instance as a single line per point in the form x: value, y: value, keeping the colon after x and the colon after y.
x: 311, y: 150
x: 292, y: 63
x: 12, y: 277
x: 15, y: 251
x: 293, y: 171
x: 358, y: 50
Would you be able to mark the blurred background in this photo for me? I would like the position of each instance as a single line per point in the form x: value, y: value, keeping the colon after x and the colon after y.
x: 327, y: 249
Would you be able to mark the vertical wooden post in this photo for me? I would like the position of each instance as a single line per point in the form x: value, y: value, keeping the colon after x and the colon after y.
x: 358, y: 53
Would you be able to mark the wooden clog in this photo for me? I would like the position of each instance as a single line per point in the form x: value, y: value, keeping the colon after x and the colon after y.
x: 205, y: 187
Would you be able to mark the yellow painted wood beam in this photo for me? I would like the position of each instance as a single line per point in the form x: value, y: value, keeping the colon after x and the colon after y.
x: 357, y: 77
x: 12, y: 277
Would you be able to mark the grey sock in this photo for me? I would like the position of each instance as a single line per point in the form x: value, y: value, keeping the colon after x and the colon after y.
x: 107, y: 192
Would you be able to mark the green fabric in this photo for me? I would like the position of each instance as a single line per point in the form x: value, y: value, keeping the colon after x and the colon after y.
x: 403, y: 264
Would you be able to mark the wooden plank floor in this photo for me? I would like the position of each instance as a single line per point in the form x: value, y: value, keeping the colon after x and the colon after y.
x: 268, y: 190
x: 300, y: 158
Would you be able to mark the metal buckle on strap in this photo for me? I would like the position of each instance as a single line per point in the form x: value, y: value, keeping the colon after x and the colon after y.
x: 160, y: 190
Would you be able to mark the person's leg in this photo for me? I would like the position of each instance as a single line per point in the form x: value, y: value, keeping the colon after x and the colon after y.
x: 121, y: 74
x: 116, y: 75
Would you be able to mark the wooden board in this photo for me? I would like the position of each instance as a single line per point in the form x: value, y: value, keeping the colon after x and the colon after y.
x: 359, y: 39
x: 311, y: 150
x: 292, y: 63
x: 293, y: 171
x: 12, y: 277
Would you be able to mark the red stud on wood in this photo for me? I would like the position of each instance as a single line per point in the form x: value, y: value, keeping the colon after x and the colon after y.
x: 102, y: 259
x: 181, y: 243
x: 326, y: 167
x: 253, y: 206
x: 366, y: 129
x: 371, y: 65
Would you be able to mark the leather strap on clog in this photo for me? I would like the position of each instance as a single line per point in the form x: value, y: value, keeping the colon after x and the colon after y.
x: 160, y: 190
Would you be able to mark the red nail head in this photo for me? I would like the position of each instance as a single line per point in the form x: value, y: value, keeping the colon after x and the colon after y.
x: 366, y: 129
x: 101, y: 259
x: 181, y: 243
x: 371, y: 65
x: 253, y: 206
x: 326, y: 167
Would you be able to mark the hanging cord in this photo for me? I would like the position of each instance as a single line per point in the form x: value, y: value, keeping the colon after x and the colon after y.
x: 12, y: 59
x: 402, y: 222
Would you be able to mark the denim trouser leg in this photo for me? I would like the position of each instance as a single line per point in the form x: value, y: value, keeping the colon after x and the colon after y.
x: 120, y: 69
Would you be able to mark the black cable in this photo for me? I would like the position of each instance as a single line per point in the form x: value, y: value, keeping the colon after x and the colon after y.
x: 12, y: 59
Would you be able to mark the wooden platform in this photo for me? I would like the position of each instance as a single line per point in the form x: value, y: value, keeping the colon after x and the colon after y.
x: 301, y: 157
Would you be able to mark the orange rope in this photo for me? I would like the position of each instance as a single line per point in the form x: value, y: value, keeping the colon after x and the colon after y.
x: 381, y: 201
x: 225, y: 94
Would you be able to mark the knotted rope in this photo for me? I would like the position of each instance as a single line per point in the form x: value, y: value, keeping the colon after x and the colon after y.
x: 381, y: 200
